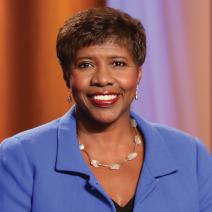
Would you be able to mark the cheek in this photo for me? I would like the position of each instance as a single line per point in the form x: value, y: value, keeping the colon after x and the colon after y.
x: 78, y: 83
x: 129, y: 82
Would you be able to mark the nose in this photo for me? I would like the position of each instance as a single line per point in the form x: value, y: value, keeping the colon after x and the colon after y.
x: 102, y: 77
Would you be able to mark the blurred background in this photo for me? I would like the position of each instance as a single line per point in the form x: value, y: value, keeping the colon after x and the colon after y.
x: 176, y: 88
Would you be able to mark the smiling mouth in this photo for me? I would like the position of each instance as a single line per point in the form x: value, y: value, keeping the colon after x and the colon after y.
x: 104, y: 100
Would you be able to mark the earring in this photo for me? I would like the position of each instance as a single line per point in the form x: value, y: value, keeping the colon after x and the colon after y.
x: 69, y: 98
x: 136, y: 94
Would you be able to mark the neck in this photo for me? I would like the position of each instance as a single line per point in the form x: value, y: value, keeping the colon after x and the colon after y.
x: 110, y: 135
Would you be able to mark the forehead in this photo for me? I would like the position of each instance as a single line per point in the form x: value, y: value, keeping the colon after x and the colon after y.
x: 108, y: 49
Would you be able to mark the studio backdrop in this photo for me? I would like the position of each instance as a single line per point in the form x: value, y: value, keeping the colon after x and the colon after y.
x: 176, y: 84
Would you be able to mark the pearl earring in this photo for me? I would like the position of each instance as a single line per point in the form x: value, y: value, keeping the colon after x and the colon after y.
x: 69, y: 99
x: 136, y: 94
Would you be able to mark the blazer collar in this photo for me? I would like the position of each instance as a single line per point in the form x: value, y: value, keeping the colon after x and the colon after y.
x: 68, y: 154
x: 158, y: 159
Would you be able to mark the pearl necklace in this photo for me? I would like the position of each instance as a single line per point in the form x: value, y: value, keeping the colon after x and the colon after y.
x: 115, y: 166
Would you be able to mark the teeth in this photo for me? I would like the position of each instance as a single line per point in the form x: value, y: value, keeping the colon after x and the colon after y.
x: 105, y: 97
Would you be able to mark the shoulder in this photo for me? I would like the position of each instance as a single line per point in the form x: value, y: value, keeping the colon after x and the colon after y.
x: 20, y: 156
x: 181, y: 142
x: 187, y: 150
x: 175, y: 137
x: 33, y: 135
x: 171, y: 136
x: 30, y: 145
x: 194, y: 161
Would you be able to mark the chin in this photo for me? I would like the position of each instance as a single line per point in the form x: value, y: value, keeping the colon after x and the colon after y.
x: 105, y: 120
x: 108, y: 116
x: 103, y: 117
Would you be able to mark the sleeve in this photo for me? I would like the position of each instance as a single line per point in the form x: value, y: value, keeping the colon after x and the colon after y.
x: 204, y: 174
x: 16, y: 177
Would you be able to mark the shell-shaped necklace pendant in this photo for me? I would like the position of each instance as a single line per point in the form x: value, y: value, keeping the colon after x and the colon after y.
x: 133, y: 123
x: 114, y: 166
x: 137, y: 139
x: 81, y: 146
x: 132, y: 156
x: 95, y: 163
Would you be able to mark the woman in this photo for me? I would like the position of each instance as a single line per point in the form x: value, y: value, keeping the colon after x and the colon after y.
x: 100, y: 156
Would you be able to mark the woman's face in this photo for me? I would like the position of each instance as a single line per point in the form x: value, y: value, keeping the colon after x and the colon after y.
x: 103, y: 81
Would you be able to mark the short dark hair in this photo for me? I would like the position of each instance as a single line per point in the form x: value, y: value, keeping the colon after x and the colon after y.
x: 97, y: 26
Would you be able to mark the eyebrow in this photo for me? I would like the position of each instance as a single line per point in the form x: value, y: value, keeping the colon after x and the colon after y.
x: 90, y: 57
x: 80, y: 58
x: 121, y: 57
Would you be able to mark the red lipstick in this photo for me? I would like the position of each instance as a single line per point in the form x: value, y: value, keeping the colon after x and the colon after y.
x: 104, y: 100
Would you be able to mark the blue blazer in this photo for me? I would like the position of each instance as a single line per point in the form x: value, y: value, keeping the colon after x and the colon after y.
x: 42, y: 170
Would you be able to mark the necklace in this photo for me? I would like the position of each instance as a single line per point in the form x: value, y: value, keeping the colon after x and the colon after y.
x: 115, y: 166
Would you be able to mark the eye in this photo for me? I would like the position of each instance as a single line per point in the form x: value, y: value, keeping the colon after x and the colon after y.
x: 119, y: 64
x: 85, y: 65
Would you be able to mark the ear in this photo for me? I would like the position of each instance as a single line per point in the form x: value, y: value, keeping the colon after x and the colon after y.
x: 139, y: 71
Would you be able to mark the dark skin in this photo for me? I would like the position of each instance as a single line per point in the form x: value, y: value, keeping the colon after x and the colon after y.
x: 112, y: 180
x: 99, y: 71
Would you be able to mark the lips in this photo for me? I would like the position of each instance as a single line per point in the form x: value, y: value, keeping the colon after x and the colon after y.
x: 104, y: 100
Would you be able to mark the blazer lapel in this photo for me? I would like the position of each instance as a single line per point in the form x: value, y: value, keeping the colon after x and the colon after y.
x: 158, y: 161
x: 68, y: 154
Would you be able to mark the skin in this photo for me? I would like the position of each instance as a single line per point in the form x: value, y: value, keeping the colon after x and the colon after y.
x: 99, y: 69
